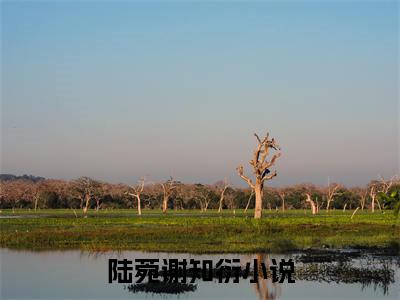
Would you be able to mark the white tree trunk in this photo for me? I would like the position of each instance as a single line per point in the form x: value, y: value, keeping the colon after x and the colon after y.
x: 165, y: 204
x: 258, y: 191
x: 85, y: 209
x: 313, y: 207
x: 373, y: 203
x: 139, y: 206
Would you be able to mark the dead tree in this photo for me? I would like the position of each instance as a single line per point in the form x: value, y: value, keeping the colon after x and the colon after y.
x: 313, y: 206
x: 354, y: 212
x: 379, y: 187
x: 331, y: 193
x: 282, y: 196
x: 204, y: 196
x: 85, y: 188
x: 363, y: 194
x: 223, y: 188
x: 386, y: 185
x: 137, y: 191
x: 168, y: 187
x: 372, y: 194
x: 317, y: 205
x: 248, y: 201
x: 102, y: 190
x: 261, y: 171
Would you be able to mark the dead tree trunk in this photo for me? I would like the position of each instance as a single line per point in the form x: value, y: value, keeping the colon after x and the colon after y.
x: 386, y: 185
x: 354, y: 212
x: 261, y: 170
x: 97, y: 204
x: 248, y: 202
x: 137, y: 192
x: 258, y: 191
x: 167, y: 187
x: 86, y: 207
x: 222, y: 196
x: 330, y: 194
x: 384, y: 188
x: 313, y: 207
x: 204, y: 203
x: 363, y: 197
x: 372, y: 194
x: 36, y: 201
x: 282, y: 196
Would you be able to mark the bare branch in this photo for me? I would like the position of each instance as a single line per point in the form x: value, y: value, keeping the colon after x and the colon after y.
x: 269, y: 177
x: 269, y: 164
x: 260, y: 169
x: 244, y: 177
x: 258, y: 138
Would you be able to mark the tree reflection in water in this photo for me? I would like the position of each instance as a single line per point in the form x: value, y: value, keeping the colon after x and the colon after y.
x: 265, y: 288
x: 349, y: 267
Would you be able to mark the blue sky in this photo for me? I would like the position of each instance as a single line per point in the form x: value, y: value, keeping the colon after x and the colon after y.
x: 117, y: 90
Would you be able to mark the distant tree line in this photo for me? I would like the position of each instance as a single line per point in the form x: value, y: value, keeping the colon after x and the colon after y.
x: 6, y: 177
x: 87, y: 193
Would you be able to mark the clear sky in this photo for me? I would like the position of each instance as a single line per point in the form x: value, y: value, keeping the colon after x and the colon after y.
x: 117, y: 90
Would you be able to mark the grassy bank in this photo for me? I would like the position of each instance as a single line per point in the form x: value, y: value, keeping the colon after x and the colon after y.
x: 196, y: 232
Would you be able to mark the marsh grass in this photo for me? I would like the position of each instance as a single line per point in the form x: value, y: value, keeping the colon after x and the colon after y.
x: 196, y: 232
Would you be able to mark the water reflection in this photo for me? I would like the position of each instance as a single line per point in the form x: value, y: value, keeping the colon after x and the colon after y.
x: 378, y: 273
x: 265, y: 288
x: 318, y: 275
x: 340, y: 267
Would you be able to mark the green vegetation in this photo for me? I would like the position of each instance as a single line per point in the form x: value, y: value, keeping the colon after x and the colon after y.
x: 391, y: 202
x: 196, y: 232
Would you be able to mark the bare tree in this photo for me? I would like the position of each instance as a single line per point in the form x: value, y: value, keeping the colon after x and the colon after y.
x: 317, y: 205
x: 36, y: 196
x: 230, y: 200
x: 168, y: 187
x: 85, y: 188
x: 282, y: 196
x: 102, y: 190
x: 261, y: 171
x: 386, y: 185
x: 248, y: 201
x: 204, y: 196
x: 363, y: 194
x: 137, y: 191
x: 222, y: 188
x: 376, y: 187
x: 331, y: 192
x: 313, y: 206
x: 372, y: 194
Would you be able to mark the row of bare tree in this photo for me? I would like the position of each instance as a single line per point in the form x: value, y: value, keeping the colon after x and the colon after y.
x: 86, y: 193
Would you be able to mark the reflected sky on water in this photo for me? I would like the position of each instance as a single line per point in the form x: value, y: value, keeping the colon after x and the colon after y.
x: 82, y: 275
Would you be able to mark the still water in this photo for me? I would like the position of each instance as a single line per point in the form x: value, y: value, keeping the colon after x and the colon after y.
x: 83, y: 275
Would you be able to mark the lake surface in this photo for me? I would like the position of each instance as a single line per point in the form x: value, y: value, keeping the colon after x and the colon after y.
x: 82, y: 275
